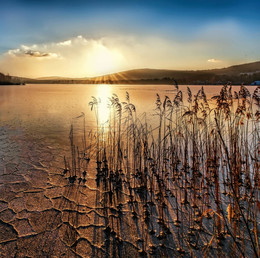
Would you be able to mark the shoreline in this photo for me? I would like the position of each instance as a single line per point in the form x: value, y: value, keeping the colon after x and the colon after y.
x: 141, y: 83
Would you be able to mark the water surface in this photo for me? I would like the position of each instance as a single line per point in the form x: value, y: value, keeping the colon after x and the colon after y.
x: 48, y: 109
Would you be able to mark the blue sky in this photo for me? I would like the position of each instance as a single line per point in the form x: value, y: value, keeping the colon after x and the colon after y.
x: 180, y: 34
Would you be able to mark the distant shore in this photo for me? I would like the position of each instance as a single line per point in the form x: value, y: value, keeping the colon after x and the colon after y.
x: 136, y: 82
x: 245, y: 74
x: 10, y: 83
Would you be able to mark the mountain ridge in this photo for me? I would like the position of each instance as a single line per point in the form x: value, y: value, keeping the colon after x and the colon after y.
x: 241, y: 73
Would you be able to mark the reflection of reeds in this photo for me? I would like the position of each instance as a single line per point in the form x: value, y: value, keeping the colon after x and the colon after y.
x: 197, y: 171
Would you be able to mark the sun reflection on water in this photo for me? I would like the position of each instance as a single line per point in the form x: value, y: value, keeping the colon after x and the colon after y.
x: 103, y: 93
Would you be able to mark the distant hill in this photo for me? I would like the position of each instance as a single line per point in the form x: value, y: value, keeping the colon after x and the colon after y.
x: 242, y: 72
x: 55, y: 78
x: 242, y: 68
x: 148, y: 74
x: 237, y: 74
x: 9, y: 80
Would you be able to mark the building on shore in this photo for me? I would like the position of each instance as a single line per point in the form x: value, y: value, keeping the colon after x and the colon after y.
x: 255, y: 83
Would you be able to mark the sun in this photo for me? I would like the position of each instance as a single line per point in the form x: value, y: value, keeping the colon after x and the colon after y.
x: 104, y: 60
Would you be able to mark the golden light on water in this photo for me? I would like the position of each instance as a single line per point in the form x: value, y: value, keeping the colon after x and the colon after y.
x: 103, y: 93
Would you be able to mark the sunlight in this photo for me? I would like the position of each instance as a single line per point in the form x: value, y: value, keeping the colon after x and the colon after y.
x: 104, y: 60
x: 103, y: 93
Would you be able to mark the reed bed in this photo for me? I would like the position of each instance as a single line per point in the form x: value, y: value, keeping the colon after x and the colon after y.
x: 190, y: 182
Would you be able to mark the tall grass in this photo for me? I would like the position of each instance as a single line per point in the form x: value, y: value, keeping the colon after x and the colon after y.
x: 193, y: 177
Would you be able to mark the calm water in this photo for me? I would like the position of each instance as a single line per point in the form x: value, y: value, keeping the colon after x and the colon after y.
x: 41, y: 114
x: 50, y: 109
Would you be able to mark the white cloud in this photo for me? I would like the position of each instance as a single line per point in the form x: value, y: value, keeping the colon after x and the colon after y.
x: 213, y: 60
x: 64, y: 43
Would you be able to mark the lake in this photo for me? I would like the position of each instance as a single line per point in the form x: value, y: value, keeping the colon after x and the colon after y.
x: 48, y: 109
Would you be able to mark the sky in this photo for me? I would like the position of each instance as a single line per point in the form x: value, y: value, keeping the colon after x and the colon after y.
x: 84, y: 38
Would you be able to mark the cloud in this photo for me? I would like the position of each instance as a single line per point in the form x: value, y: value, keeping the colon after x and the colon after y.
x: 82, y: 56
x: 64, y: 43
x: 26, y: 51
x: 213, y: 60
x: 75, y: 57
x: 39, y: 54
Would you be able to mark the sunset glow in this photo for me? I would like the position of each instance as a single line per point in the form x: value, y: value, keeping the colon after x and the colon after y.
x: 104, y: 61
x: 88, y: 38
x: 129, y: 128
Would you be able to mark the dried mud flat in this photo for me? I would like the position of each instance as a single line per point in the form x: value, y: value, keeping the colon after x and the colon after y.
x: 44, y: 212
x: 43, y: 215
